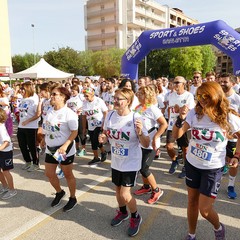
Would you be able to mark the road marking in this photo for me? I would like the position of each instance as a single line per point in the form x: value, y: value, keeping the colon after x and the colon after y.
x: 49, y: 212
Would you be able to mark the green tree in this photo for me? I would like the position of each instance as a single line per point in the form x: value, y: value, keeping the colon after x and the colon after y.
x: 65, y: 59
x: 22, y: 62
x: 184, y: 61
x: 209, y: 59
x: 86, y: 66
x: 107, y: 63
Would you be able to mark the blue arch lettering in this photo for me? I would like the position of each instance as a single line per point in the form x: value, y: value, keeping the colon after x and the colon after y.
x: 217, y: 33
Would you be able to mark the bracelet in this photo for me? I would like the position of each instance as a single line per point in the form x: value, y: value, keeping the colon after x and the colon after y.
x: 179, y: 122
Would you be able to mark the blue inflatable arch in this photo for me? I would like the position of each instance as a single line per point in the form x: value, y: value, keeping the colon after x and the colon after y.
x: 217, y: 33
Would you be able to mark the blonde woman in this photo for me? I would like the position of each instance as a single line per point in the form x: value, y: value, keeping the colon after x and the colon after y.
x: 156, y: 125
x: 125, y: 131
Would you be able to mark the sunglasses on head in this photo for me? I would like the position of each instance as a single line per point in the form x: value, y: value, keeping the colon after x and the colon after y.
x: 202, y: 97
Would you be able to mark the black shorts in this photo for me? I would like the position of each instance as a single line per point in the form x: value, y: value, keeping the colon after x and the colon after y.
x: 230, y: 149
x: 182, y: 141
x: 6, y: 160
x: 207, y: 181
x: 126, y: 179
x: 50, y: 159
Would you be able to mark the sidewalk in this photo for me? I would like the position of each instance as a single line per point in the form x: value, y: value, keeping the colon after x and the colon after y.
x: 29, y: 216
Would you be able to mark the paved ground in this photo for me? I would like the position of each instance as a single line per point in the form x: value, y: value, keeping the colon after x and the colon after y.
x: 29, y: 216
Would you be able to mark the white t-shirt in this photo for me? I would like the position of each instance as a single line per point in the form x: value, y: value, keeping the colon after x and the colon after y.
x: 234, y: 101
x: 4, y: 137
x: 57, y: 127
x: 134, y: 103
x: 75, y: 103
x: 150, y: 117
x: 6, y: 101
x: 207, y: 147
x: 109, y: 100
x: 126, y: 154
x: 94, y: 112
x: 27, y: 109
x: 193, y: 90
x: 183, y: 99
x: 46, y: 106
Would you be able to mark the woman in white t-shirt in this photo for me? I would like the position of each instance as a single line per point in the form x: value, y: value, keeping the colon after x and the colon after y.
x: 211, y: 122
x: 28, y: 126
x: 60, y: 127
x: 94, y: 113
x: 75, y: 103
x: 156, y: 124
x: 125, y: 132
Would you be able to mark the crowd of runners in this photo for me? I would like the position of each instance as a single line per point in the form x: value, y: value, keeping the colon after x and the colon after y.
x: 199, y: 117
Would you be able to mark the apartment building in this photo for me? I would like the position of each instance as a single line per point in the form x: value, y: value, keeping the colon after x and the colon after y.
x: 224, y: 62
x: 118, y: 23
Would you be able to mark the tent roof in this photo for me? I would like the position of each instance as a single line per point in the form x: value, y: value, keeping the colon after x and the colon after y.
x: 42, y: 69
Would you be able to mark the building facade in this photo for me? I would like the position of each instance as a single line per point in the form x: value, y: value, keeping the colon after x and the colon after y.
x: 118, y: 23
x: 5, y: 46
x: 224, y: 62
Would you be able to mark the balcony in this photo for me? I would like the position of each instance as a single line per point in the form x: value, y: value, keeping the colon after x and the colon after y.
x: 101, y: 36
x: 101, y: 12
x: 101, y: 24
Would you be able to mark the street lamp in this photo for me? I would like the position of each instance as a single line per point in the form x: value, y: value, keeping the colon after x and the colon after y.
x: 145, y: 59
x: 34, y: 55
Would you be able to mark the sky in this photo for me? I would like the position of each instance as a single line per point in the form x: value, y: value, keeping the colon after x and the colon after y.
x: 46, y: 25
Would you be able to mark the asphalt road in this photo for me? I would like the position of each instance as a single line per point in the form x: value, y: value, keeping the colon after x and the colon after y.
x: 29, y: 215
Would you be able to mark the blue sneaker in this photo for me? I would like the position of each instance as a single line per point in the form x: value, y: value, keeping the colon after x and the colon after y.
x: 231, y: 193
x: 220, y: 235
x: 188, y: 237
x: 173, y: 167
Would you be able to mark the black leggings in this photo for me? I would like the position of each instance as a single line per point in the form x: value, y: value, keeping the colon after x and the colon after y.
x: 147, y: 159
x: 94, y: 138
x: 27, y: 138
x: 80, y: 136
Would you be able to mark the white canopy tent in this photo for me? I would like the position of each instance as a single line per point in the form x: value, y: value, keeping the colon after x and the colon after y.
x: 42, y: 70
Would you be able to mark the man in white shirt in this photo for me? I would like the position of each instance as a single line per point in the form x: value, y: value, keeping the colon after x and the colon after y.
x: 227, y: 81
x: 177, y: 99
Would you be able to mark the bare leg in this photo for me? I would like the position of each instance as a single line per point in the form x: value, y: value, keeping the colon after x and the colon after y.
x: 71, y: 181
x: 192, y: 209
x: 50, y: 172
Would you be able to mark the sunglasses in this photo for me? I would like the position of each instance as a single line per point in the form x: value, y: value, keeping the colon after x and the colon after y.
x: 177, y: 82
x: 196, y: 77
x: 117, y: 99
x: 202, y: 96
x: 55, y: 94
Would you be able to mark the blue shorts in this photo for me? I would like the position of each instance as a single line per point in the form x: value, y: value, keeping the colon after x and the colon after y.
x: 126, y: 179
x: 207, y: 181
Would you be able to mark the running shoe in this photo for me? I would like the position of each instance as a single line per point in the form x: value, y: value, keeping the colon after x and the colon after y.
x: 33, y: 168
x: 57, y: 198
x: 94, y: 161
x: 119, y: 218
x: 220, y: 235
x: 26, y: 166
x: 173, y: 167
x: 72, y: 202
x: 142, y: 191
x: 225, y: 169
x: 3, y: 190
x: 182, y: 174
x: 82, y: 153
x: 60, y: 174
x: 231, y: 192
x: 155, y: 196
x: 103, y: 156
x: 9, y: 194
x: 134, y: 226
x: 190, y: 238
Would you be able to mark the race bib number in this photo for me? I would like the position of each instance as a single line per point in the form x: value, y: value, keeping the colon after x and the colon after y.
x: 202, y: 152
x: 120, y: 150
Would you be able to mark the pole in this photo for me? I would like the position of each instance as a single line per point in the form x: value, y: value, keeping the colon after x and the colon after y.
x: 34, y: 55
x: 145, y: 59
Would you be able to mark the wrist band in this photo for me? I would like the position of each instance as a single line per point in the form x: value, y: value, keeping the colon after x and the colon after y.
x: 237, y: 157
x: 179, y: 122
